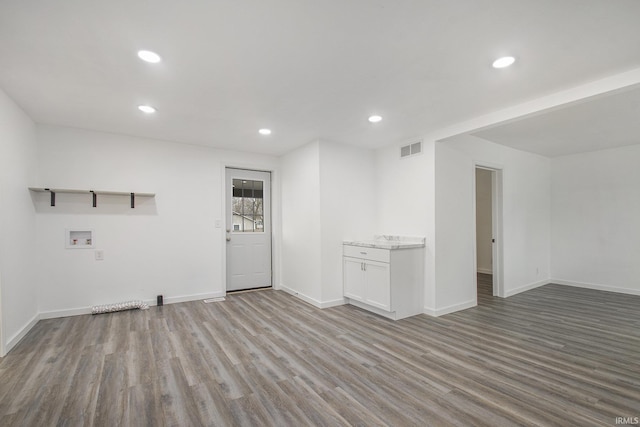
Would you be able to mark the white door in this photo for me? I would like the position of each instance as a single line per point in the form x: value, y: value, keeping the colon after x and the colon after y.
x: 248, y: 229
x: 353, y: 269
x: 378, y: 284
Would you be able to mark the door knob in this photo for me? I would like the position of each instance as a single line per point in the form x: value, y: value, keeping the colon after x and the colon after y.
x: 228, y: 239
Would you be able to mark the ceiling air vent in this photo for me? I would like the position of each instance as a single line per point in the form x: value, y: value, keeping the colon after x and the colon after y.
x: 411, y: 149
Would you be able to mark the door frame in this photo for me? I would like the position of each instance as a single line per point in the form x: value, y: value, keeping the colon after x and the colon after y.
x: 496, y: 225
x: 222, y: 220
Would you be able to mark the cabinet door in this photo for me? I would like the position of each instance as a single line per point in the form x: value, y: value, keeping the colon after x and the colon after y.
x: 353, y: 278
x: 378, y: 284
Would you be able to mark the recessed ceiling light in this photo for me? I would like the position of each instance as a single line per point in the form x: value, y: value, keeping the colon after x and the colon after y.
x: 375, y: 119
x: 265, y: 131
x: 148, y: 56
x: 146, y: 109
x: 503, y: 62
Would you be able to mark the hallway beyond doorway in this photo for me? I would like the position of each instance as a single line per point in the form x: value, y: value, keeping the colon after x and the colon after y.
x: 485, y: 288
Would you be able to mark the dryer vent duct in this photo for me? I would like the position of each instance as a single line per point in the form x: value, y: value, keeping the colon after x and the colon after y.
x: 120, y: 306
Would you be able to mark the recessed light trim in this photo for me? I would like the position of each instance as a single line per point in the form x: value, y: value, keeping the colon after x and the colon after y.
x: 375, y: 118
x: 504, y: 62
x: 149, y: 56
x: 264, y: 131
x: 147, y: 109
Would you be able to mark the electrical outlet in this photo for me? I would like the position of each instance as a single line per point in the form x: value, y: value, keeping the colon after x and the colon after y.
x: 218, y: 223
x: 99, y: 255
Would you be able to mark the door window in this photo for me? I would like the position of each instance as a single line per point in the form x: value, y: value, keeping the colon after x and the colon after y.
x: 247, y: 206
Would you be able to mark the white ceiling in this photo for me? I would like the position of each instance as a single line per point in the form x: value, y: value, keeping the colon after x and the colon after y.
x: 599, y: 123
x: 307, y: 69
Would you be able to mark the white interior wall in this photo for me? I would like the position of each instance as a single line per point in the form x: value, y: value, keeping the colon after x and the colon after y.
x: 405, y: 195
x: 595, y: 203
x: 526, y: 216
x: 301, y: 241
x: 18, y: 297
x: 483, y: 221
x: 347, y: 207
x: 455, y: 230
x: 328, y: 197
x: 433, y: 195
x: 167, y: 245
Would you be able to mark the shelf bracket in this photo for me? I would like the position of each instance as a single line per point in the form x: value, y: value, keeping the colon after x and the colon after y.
x: 95, y: 198
x: 133, y: 200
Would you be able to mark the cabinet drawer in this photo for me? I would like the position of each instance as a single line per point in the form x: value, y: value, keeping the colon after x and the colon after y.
x: 374, y: 254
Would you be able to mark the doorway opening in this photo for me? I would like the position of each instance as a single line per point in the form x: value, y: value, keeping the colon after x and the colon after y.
x: 488, y: 202
x: 248, y: 229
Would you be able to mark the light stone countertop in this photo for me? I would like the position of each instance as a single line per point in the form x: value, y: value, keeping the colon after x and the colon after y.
x: 389, y: 242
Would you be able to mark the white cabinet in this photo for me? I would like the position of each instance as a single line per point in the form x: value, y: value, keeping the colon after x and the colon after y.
x: 388, y: 282
x: 353, y: 278
x: 367, y: 281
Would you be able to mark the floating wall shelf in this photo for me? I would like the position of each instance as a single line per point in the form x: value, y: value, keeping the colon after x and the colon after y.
x: 94, y: 194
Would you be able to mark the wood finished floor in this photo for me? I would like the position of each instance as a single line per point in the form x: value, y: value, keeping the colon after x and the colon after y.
x: 554, y: 355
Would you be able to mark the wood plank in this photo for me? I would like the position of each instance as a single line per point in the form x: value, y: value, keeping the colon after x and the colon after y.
x: 554, y: 355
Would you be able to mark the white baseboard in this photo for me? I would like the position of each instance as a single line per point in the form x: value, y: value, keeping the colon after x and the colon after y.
x: 429, y: 311
x: 187, y: 298
x: 485, y: 270
x: 14, y: 340
x: 511, y: 292
x: 450, y: 309
x: 597, y: 287
x: 314, y: 302
x: 333, y: 303
x: 152, y: 302
x: 54, y: 314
